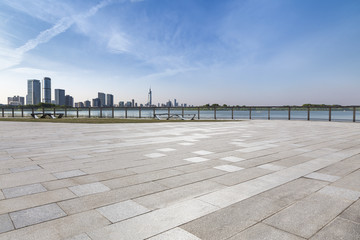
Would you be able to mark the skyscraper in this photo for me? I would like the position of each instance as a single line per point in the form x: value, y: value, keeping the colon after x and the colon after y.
x: 101, y: 96
x: 109, y: 100
x: 69, y: 101
x: 149, y: 98
x: 87, y: 103
x: 33, y: 97
x: 60, y: 97
x: 46, y: 90
x: 96, y: 102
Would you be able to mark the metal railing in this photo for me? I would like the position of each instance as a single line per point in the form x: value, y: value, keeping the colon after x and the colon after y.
x: 328, y: 113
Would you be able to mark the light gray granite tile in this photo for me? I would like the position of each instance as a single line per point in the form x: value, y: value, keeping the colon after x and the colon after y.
x: 36, y: 215
x: 90, y: 188
x: 123, y: 210
x: 229, y: 168
x: 5, y: 223
x: 69, y: 174
x: 23, y: 190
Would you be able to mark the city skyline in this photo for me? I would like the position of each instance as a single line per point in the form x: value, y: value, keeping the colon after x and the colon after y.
x: 228, y: 52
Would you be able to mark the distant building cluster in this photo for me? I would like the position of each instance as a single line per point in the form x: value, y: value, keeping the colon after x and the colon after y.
x: 40, y: 92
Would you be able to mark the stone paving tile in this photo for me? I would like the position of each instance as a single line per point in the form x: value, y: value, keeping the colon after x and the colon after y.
x: 5, y: 223
x: 350, y: 181
x: 340, y: 192
x: 155, y: 155
x: 24, y: 178
x: 352, y: 213
x: 155, y: 222
x: 324, y: 177
x: 24, y: 169
x: 264, y: 232
x: 166, y: 149
x: 90, y: 188
x: 308, y: 216
x: 23, y: 190
x: 186, y: 144
x: 33, y: 200
x: 69, y: 174
x: 121, y: 211
x: 93, y: 201
x: 1, y: 195
x: 235, y: 218
x: 184, y: 179
x: 339, y: 229
x: 174, y: 195
x: 175, y: 234
x: 196, y: 159
x: 241, y: 176
x: 140, y: 178
x: 228, y: 168
x: 232, y: 159
x: 203, y: 152
x: 82, y: 236
x: 61, y: 228
x: 271, y: 167
x: 36, y: 215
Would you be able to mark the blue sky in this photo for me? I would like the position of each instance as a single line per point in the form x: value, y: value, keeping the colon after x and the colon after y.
x: 237, y: 52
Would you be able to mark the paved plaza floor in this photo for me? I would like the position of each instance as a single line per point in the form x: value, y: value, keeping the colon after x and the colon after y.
x: 181, y: 180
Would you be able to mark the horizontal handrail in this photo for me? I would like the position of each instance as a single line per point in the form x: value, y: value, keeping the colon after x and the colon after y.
x: 217, y: 112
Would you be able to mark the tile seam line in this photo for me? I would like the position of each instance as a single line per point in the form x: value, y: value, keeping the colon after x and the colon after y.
x: 337, y: 216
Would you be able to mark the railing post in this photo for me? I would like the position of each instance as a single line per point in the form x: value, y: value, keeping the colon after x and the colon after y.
x: 2, y: 112
x: 54, y: 111
x: 269, y: 113
x: 89, y: 112
x: 154, y: 112
x: 100, y: 112
x: 139, y: 112
x: 289, y: 117
x: 13, y: 112
x: 232, y: 112
x: 250, y: 113
x: 22, y: 112
x: 214, y: 112
x: 329, y: 114
x: 354, y: 114
x: 65, y: 112
x: 182, y: 112
x: 77, y: 112
x: 308, y: 113
x: 43, y: 111
x: 113, y: 112
x: 198, y: 113
x: 32, y: 110
x: 125, y: 112
x: 168, y: 112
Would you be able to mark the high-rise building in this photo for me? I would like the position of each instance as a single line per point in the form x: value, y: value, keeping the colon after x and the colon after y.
x: 87, y: 103
x: 79, y: 104
x: 169, y: 104
x: 149, y: 104
x: 34, y: 91
x: 16, y: 101
x: 132, y: 103
x: 101, y: 97
x: 109, y: 100
x: 60, y: 97
x: 128, y: 104
x: 96, y: 102
x: 46, y: 90
x: 121, y: 104
x: 175, y: 103
x: 69, y: 101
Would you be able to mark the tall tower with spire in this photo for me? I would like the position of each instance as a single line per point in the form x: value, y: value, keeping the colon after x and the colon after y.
x: 150, y: 97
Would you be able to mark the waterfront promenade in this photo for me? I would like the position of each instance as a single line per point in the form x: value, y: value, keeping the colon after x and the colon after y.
x: 180, y: 180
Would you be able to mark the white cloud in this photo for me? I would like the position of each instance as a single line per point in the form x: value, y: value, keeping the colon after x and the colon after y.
x: 118, y: 43
x: 11, y: 57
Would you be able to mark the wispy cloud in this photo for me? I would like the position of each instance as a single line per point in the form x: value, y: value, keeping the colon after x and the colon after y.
x: 11, y: 57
